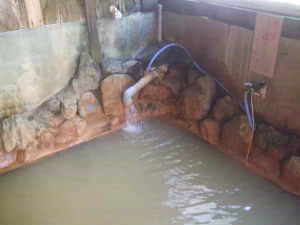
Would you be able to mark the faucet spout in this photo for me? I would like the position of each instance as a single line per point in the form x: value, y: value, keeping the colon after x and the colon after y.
x: 148, y: 77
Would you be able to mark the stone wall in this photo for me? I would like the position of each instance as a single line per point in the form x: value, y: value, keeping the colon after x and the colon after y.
x: 224, y: 51
x: 89, y: 106
x: 37, y: 63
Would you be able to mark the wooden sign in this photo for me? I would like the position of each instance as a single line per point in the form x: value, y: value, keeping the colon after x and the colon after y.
x: 265, y: 44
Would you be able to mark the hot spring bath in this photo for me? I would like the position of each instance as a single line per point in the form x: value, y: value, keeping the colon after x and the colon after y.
x: 160, y: 175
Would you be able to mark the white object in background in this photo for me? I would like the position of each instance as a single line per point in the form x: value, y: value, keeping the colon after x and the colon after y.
x: 265, y: 44
x: 116, y: 14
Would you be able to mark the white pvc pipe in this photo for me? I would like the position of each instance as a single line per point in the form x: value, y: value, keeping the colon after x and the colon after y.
x: 159, y: 29
x: 148, y: 77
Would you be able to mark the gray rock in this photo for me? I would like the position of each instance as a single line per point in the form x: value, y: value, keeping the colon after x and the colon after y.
x: 18, y: 133
x: 68, y: 101
x: 53, y: 104
x: 89, y: 75
x: 112, y: 66
x: 134, y: 69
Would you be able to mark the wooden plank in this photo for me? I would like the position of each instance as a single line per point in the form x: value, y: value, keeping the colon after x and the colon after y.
x: 50, y: 11
x: 91, y: 19
x: 265, y: 44
x: 12, y: 15
x: 34, y: 13
x: 232, y: 15
x: 71, y: 10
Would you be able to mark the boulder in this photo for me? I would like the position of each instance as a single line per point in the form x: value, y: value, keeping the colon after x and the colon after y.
x: 270, y: 161
x: 210, y: 130
x: 18, y: 133
x: 89, y: 75
x: 70, y: 130
x: 225, y: 109
x: 21, y: 156
x: 291, y: 173
x: 89, y: 106
x: 80, y: 125
x: 196, y: 101
x: 68, y: 101
x: 267, y: 136
x: 7, y: 159
x: 133, y: 68
x: 294, y: 145
x: 112, y: 89
x: 44, y: 118
x: 175, y: 79
x: 46, y: 140
x: 193, y: 76
x: 112, y: 66
x: 52, y: 105
x: 156, y: 92
x: 236, y: 135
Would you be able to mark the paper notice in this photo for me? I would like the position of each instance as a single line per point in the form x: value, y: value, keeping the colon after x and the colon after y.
x: 265, y: 44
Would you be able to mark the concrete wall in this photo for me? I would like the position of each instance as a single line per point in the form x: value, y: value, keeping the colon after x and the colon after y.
x: 224, y: 50
x: 120, y: 38
x: 37, y: 63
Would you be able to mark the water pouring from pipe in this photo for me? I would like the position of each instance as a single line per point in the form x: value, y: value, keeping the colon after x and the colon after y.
x: 130, y: 110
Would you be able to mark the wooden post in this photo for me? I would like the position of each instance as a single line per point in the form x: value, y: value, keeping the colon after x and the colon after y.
x: 34, y: 13
x: 91, y: 20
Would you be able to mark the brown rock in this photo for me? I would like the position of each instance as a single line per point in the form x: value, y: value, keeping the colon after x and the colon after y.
x: 112, y: 89
x: 266, y: 136
x: 193, y: 76
x: 80, y: 124
x: 89, y: 107
x: 67, y: 132
x: 271, y: 161
x: 2, y: 149
x: 190, y: 125
x: 21, y: 156
x: 18, y: 133
x: 225, y: 109
x: 175, y: 79
x: 46, y: 141
x: 196, y: 101
x: 294, y: 146
x: 70, y: 130
x: 291, y: 173
x: 156, y: 92
x: 210, y: 129
x: 236, y: 134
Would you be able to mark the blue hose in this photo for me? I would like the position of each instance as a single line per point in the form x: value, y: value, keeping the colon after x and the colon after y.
x: 250, y: 119
x: 197, y: 67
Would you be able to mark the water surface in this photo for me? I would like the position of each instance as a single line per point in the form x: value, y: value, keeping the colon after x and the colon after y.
x: 157, y: 175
